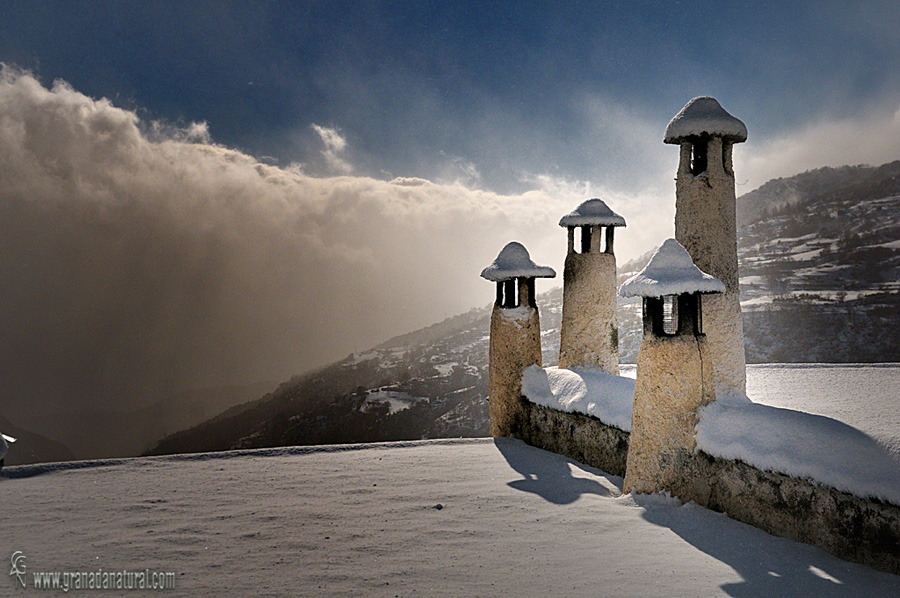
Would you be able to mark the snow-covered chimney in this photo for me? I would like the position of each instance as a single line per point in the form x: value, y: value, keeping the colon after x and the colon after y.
x: 672, y: 380
x: 590, y: 333
x: 705, y: 224
x: 515, y: 333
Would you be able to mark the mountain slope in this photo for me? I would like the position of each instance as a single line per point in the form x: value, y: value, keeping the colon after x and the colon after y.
x: 98, y: 432
x: 30, y: 447
x: 820, y: 281
x: 820, y: 266
x: 831, y: 232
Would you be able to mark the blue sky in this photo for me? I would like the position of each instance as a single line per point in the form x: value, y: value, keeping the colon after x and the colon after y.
x: 442, y: 90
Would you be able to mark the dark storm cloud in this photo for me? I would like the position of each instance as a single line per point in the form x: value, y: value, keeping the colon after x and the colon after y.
x: 136, y: 260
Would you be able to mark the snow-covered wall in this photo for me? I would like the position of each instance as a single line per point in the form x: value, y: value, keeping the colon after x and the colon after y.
x: 772, y: 468
x: 577, y: 436
x: 582, y: 413
x: 582, y: 390
x: 854, y: 528
x: 802, y: 445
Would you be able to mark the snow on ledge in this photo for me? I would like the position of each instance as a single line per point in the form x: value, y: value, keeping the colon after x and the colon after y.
x: 581, y: 390
x: 800, y: 445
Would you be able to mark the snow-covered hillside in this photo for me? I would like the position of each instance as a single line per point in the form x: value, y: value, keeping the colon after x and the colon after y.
x: 434, y: 518
x: 819, y: 260
x: 820, y: 282
x: 831, y: 234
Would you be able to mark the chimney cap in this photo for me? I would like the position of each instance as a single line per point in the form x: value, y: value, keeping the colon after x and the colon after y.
x: 704, y: 116
x: 593, y: 212
x: 670, y: 271
x: 514, y: 262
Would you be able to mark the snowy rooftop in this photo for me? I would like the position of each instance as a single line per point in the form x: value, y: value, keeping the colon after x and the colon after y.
x: 581, y: 390
x: 434, y: 518
x: 514, y: 262
x: 593, y: 212
x: 704, y: 115
x: 670, y: 271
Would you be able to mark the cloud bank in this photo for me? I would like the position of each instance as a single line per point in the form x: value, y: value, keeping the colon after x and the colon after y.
x: 137, y: 259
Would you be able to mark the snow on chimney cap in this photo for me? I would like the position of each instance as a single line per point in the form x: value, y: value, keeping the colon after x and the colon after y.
x: 670, y: 271
x: 704, y: 116
x: 514, y: 262
x: 593, y: 212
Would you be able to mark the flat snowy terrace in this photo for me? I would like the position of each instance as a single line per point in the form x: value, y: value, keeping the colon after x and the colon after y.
x: 430, y: 518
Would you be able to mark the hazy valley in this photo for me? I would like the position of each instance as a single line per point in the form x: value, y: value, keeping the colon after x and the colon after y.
x: 820, y: 282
